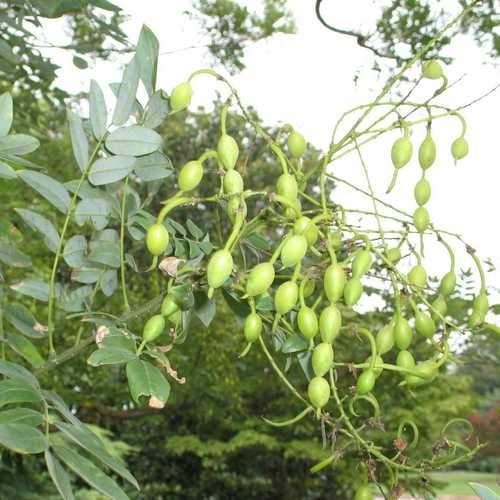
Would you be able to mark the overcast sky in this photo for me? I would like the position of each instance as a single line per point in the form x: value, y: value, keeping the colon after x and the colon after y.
x: 306, y: 79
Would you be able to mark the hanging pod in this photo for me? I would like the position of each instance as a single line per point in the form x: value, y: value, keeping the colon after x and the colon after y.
x: 403, y: 334
x: 363, y: 493
x: 227, y: 151
x: 334, y: 282
x: 287, y: 187
x: 405, y: 360
x: 421, y: 219
x: 459, y: 148
x: 361, y: 263
x: 157, y: 238
x: 366, y: 382
x: 286, y: 297
x: 401, y: 152
x: 427, y: 152
x: 169, y: 306
x: 190, y: 175
x: 153, y: 328
x: 296, y: 144
x: 425, y: 373
x: 417, y: 276
x: 252, y: 327
x: 307, y: 322
x: 385, y: 339
x: 304, y: 225
x: 322, y: 358
x: 293, y: 250
x: 318, y: 392
x: 330, y: 321
x: 424, y: 324
x: 432, y: 69
x: 219, y: 268
x: 448, y: 284
x: 480, y: 308
x: 439, y: 305
x: 180, y: 98
x: 352, y: 291
x: 261, y: 277
x: 422, y: 191
x: 232, y: 182
x: 393, y: 255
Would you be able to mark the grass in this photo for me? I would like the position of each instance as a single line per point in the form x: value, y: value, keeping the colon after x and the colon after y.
x: 457, y: 482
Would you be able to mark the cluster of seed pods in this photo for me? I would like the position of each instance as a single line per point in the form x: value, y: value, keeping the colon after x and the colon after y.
x: 316, y: 311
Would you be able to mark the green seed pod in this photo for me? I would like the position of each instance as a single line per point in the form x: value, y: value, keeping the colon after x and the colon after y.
x: 361, y: 263
x: 234, y: 205
x: 233, y: 182
x: 180, y: 98
x: 427, y: 152
x: 261, y: 277
x: 219, y: 268
x: 417, y: 276
x: 330, y: 321
x: 293, y: 250
x: 303, y: 225
x: 448, y: 284
x: 352, y: 291
x: 422, y: 191
x: 459, y: 148
x: 427, y: 371
x: 287, y: 187
x: 227, y: 151
x: 253, y: 327
x: 286, y: 297
x: 424, y: 324
x: 168, y: 306
x: 318, y: 392
x: 157, y: 239
x: 365, y: 382
x: 405, y: 360
x: 378, y: 361
x: 334, y: 282
x: 475, y: 319
x: 296, y: 144
x: 393, y: 255
x: 439, y: 304
x: 190, y: 175
x: 153, y: 328
x: 385, y: 339
x: 402, y: 333
x: 421, y: 219
x: 363, y: 493
x: 481, y: 303
x: 322, y: 358
x: 401, y: 152
x: 432, y: 70
x: 307, y: 322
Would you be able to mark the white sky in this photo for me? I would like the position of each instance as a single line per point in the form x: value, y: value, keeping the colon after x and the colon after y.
x: 307, y: 79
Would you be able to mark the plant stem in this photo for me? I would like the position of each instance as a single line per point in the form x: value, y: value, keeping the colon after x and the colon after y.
x: 52, y: 281
x: 122, y: 245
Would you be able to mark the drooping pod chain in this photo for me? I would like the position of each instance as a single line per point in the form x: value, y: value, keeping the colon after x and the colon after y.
x: 318, y: 269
